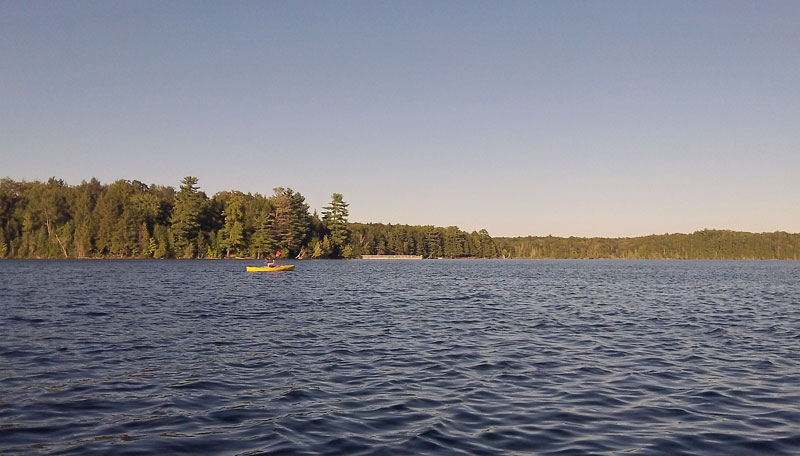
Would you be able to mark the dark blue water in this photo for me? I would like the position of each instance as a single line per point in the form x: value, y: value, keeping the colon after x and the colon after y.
x: 360, y: 357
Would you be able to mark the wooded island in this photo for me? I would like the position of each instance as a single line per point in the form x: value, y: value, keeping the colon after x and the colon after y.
x: 129, y: 219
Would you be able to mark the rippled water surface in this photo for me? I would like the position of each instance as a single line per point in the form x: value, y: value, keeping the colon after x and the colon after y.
x: 394, y: 357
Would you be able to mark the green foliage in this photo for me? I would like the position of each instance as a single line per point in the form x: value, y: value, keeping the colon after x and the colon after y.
x: 291, y: 222
x: 185, y: 220
x: 428, y: 241
x: 316, y: 249
x: 162, y: 239
x: 300, y: 222
x: 130, y: 219
x: 262, y: 241
x: 327, y: 247
x: 347, y: 252
x: 233, y: 231
x: 335, y: 219
x: 705, y: 244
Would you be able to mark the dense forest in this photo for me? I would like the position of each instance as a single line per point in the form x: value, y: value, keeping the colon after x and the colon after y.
x: 706, y: 244
x: 129, y: 219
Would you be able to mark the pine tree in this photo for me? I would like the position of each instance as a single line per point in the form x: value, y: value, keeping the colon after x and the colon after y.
x: 185, y: 218
x: 262, y: 240
x: 335, y: 219
x: 146, y: 245
x: 281, y: 219
x: 300, y: 222
x: 162, y: 238
x: 291, y: 222
x: 233, y: 231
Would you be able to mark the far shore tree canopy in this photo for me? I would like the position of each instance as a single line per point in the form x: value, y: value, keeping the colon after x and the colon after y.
x: 129, y: 219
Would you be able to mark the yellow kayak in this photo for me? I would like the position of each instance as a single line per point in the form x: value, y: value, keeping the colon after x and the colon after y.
x: 283, y: 267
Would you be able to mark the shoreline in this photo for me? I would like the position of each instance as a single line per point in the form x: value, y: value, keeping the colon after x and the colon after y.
x: 397, y: 259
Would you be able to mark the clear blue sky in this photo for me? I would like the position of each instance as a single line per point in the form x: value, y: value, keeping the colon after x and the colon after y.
x: 586, y: 118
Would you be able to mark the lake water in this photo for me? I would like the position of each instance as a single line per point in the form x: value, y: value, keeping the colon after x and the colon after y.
x: 394, y: 357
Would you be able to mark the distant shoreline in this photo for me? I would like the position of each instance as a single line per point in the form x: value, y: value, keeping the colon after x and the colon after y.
x: 132, y: 220
x: 396, y: 259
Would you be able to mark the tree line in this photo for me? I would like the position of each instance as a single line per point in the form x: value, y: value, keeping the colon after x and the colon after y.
x: 428, y: 241
x: 705, y: 244
x: 129, y: 219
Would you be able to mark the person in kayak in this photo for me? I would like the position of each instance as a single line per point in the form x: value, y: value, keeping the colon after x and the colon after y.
x: 269, y: 262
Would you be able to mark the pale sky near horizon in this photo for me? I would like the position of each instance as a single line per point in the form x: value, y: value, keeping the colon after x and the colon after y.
x: 585, y: 118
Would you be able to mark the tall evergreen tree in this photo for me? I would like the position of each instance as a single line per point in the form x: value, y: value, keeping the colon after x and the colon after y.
x: 300, y: 222
x: 185, y: 218
x: 335, y: 219
x: 281, y: 219
x: 82, y: 207
x: 233, y: 231
x: 262, y: 241
x: 291, y: 222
